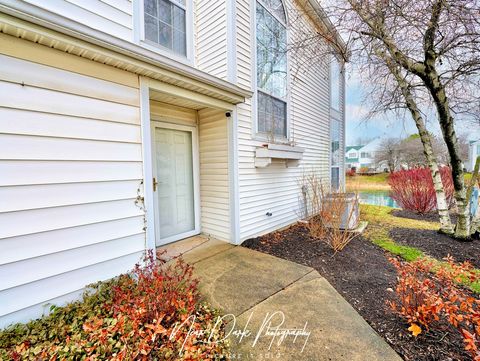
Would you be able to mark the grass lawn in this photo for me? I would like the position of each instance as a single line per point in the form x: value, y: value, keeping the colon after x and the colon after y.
x: 368, y: 182
x: 381, y: 222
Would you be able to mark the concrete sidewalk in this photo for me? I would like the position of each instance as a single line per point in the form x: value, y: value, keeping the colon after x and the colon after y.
x: 278, y: 309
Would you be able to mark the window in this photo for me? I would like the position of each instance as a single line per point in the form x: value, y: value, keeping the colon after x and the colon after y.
x: 352, y: 155
x: 335, y: 130
x: 271, y: 34
x: 335, y: 178
x: 335, y: 84
x: 165, y: 24
x: 365, y: 155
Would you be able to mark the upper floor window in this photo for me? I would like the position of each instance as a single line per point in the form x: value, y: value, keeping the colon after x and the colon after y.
x: 165, y: 24
x: 335, y: 84
x: 271, y: 35
x: 335, y: 161
x: 352, y: 155
x: 365, y: 155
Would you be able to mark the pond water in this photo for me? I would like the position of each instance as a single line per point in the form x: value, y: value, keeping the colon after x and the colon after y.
x: 377, y: 198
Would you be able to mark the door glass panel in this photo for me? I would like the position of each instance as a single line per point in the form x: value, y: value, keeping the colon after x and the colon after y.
x: 174, y: 167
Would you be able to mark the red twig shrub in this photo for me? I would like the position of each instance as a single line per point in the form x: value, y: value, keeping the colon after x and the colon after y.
x: 428, y: 295
x: 350, y: 173
x: 145, y: 315
x: 414, y: 191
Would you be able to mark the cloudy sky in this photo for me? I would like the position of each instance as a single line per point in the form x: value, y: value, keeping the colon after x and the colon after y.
x: 383, y: 126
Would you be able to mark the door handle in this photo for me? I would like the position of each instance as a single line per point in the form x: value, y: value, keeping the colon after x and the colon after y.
x: 155, y: 184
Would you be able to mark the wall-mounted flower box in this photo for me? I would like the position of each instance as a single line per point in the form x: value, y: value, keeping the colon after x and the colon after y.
x: 291, y: 154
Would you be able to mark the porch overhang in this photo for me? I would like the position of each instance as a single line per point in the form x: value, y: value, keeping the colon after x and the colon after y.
x: 32, y: 23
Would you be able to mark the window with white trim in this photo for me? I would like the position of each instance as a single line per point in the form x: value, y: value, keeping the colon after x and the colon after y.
x: 335, y: 84
x: 271, y: 35
x: 165, y: 24
x: 335, y: 161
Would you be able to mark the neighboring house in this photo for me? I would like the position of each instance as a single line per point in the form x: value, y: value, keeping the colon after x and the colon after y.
x: 473, y: 153
x: 363, y: 156
x: 128, y: 125
x: 352, y: 156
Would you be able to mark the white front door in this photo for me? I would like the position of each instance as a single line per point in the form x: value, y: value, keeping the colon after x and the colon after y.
x: 175, y: 191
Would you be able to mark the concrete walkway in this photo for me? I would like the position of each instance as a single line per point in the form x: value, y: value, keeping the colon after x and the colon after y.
x: 278, y: 309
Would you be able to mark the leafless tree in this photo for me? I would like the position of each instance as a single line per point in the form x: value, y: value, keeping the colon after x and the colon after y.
x: 420, y: 56
x: 433, y: 45
x: 413, y: 154
x: 389, y: 152
x: 389, y: 88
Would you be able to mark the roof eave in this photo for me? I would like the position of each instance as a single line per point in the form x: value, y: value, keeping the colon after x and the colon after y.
x: 21, y: 14
x: 325, y: 21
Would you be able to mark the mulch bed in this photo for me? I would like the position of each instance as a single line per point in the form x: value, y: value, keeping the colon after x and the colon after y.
x: 429, y: 217
x: 362, y: 274
x: 438, y: 245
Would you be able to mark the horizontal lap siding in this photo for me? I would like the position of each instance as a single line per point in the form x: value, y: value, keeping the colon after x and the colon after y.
x: 71, y: 169
x: 214, y: 178
x: 211, y: 37
x: 113, y: 17
x: 275, y: 189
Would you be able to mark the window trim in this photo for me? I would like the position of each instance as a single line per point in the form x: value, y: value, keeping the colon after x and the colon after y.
x: 338, y: 115
x: 339, y: 177
x: 340, y: 85
x: 139, y: 32
x: 256, y: 134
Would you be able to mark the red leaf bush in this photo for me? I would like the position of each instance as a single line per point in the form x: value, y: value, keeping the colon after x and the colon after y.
x: 429, y: 295
x: 413, y: 189
x: 350, y: 173
x: 145, y: 315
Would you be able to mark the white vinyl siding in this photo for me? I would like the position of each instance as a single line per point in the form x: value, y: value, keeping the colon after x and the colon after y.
x: 71, y: 166
x: 172, y: 114
x: 213, y: 148
x: 244, y: 44
x: 113, y: 17
x: 214, y: 177
x: 275, y: 189
x: 210, y: 28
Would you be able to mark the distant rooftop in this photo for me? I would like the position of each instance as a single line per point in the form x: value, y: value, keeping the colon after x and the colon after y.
x: 350, y: 147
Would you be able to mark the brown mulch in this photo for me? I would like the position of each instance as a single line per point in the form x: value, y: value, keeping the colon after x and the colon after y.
x: 402, y: 213
x: 438, y: 245
x: 362, y: 274
x: 429, y: 217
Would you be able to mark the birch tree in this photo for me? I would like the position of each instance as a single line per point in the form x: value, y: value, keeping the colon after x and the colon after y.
x: 438, y: 42
x: 431, y: 48
x: 421, y: 56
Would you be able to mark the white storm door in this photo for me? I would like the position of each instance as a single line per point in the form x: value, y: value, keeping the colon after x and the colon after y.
x: 174, y: 194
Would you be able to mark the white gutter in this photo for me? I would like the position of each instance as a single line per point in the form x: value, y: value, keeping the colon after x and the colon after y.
x: 328, y: 24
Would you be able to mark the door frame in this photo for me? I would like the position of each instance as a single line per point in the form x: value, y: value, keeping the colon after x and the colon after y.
x: 196, y: 181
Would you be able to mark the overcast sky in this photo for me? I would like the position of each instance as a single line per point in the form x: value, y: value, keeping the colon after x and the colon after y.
x: 386, y: 126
